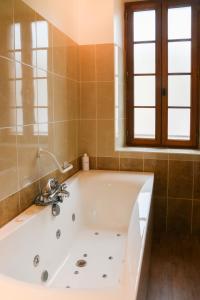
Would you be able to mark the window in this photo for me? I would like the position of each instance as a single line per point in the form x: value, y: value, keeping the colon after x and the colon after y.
x: 162, y: 73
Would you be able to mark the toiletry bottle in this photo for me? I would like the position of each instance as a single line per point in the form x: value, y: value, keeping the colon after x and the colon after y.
x: 85, y: 162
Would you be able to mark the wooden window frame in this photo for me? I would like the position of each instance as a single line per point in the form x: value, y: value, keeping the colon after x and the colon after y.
x: 161, y: 73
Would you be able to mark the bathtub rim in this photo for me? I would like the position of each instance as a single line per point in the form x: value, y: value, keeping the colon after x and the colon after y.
x: 13, y: 226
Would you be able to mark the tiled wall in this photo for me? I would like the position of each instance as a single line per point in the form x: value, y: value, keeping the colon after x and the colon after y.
x: 39, y: 103
x: 70, y: 100
x: 177, y: 177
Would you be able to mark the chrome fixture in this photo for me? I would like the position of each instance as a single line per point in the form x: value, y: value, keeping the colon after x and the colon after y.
x: 66, y: 167
x: 55, y: 210
x: 44, y: 276
x: 51, y: 194
x: 36, y: 260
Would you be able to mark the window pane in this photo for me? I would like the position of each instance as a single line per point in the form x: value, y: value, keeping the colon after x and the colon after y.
x: 179, y: 90
x: 144, y: 90
x: 144, y: 123
x: 178, y: 124
x: 179, y: 23
x: 144, y: 58
x: 179, y: 57
x: 144, y: 25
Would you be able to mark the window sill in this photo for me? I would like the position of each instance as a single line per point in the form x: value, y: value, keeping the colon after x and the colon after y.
x: 158, y: 150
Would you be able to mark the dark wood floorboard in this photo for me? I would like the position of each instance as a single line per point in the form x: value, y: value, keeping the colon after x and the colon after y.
x: 175, y: 269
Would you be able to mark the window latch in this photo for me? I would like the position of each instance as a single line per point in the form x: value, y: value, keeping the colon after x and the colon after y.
x: 164, y: 92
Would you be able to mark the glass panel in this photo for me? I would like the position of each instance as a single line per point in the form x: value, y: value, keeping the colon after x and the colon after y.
x: 179, y: 57
x: 144, y: 58
x: 144, y: 90
x: 179, y: 23
x: 144, y: 25
x: 179, y: 90
x: 178, y: 124
x: 144, y: 123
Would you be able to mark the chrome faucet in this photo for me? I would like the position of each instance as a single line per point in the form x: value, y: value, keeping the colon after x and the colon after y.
x: 51, y: 193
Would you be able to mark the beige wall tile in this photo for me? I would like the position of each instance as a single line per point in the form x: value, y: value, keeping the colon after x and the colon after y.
x: 26, y: 95
x: 127, y: 154
x: 27, y: 147
x: 71, y: 140
x: 131, y: 164
x: 8, y: 162
x: 105, y: 138
x: 88, y: 101
x: 44, y: 44
x: 60, y: 141
x: 7, y: 93
x: 60, y: 98
x: 26, y: 18
x: 108, y: 163
x: 45, y: 99
x: 59, y: 52
x: 160, y: 169
x: 105, y: 100
x: 9, y: 209
x: 44, y: 106
x: 6, y: 28
x: 105, y: 62
x: 46, y: 141
x: 72, y: 100
x: 87, y: 137
x: 87, y: 63
x: 72, y: 60
x: 27, y: 195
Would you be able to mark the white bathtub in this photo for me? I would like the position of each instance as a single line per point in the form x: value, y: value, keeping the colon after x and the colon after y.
x: 111, y: 211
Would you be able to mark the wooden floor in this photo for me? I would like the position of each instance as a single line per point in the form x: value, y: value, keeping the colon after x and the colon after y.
x: 175, y: 269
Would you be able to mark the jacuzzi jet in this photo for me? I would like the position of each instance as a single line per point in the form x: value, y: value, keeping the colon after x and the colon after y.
x: 67, y: 287
x: 44, y: 276
x: 36, y: 260
x: 96, y: 233
x: 81, y: 263
x: 104, y: 275
x: 58, y: 234
x: 76, y: 272
x: 118, y: 234
x: 85, y: 255
x: 110, y: 257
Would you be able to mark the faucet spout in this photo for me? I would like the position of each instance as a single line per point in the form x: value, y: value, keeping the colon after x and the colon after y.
x: 51, y: 193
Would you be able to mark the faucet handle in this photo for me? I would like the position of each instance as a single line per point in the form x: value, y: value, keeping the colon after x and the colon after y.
x: 51, y: 186
x: 63, y: 186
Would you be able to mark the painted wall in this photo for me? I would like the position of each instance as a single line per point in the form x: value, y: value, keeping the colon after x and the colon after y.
x: 61, y: 13
x: 85, y: 21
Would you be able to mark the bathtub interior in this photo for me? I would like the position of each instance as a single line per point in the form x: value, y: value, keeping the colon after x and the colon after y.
x: 93, y: 226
